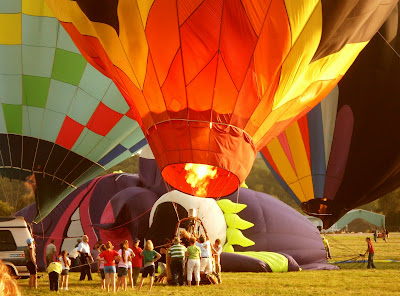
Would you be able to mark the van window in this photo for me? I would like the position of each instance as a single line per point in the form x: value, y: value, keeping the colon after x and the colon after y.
x: 7, y: 242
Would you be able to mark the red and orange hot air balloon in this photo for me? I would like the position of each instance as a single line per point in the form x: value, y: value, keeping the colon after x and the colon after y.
x: 211, y: 82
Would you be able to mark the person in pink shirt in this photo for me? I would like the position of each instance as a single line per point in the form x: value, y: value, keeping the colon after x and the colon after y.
x: 137, y: 261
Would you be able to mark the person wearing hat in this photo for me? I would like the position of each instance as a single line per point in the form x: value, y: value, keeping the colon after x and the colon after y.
x: 30, y: 258
x: 177, y: 253
x: 137, y: 262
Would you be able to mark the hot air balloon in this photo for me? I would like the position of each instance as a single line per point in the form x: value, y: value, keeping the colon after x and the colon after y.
x: 211, y: 82
x: 61, y: 121
x: 345, y: 152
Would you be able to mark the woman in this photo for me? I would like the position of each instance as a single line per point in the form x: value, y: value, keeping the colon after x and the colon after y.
x: 30, y: 258
x: 193, y: 265
x: 100, y: 267
x: 110, y: 256
x: 65, y: 264
x: 126, y: 256
x: 150, y: 257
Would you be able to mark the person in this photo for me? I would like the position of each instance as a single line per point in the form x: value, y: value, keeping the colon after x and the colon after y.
x: 162, y: 263
x: 137, y: 261
x: 217, y: 250
x: 100, y: 267
x: 193, y: 253
x: 65, y: 264
x: 95, y: 253
x: 205, y: 247
x: 51, y: 251
x: 177, y: 253
x: 184, y: 236
x: 150, y: 257
x: 384, y: 235
x: 110, y: 256
x: 387, y: 233
x: 86, y: 258
x: 54, y: 270
x: 375, y: 234
x: 30, y: 258
x: 327, y: 247
x: 126, y: 256
x: 371, y: 253
x: 8, y: 284
x: 74, y: 256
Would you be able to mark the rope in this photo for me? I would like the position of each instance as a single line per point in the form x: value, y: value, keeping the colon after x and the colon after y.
x: 398, y: 55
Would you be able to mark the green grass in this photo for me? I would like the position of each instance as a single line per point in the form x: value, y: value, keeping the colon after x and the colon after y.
x: 352, y: 279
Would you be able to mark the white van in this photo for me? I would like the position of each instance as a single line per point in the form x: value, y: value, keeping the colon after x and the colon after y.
x: 13, y: 235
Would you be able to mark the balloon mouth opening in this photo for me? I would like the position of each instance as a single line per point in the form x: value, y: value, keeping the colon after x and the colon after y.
x: 201, y: 180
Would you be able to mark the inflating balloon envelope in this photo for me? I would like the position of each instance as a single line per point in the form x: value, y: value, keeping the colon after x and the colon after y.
x: 345, y: 152
x: 211, y: 82
x: 61, y: 121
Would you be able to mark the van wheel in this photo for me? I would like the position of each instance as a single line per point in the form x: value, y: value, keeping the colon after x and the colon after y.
x: 11, y: 271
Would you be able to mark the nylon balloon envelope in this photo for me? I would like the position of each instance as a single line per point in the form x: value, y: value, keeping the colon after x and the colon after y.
x: 61, y: 121
x: 211, y: 82
x: 344, y: 153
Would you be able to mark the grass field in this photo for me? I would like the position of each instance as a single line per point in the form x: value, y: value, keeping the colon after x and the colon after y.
x: 351, y: 279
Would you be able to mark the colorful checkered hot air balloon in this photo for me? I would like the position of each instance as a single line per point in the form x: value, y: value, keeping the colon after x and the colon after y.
x: 211, y: 82
x: 61, y: 121
x: 345, y: 152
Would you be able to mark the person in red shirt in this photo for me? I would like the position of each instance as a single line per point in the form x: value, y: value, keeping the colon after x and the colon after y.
x: 110, y: 256
x: 137, y: 260
x: 371, y: 253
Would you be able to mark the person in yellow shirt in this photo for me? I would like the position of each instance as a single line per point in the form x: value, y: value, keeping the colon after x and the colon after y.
x: 327, y: 248
x: 54, y: 270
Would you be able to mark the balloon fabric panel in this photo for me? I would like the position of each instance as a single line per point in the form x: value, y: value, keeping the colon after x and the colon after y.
x: 353, y: 143
x: 244, y: 70
x: 60, y: 119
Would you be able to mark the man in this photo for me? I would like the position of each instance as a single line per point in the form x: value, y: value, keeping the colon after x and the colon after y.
x: 51, y: 251
x: 205, y: 261
x: 177, y: 255
x: 327, y: 247
x: 371, y: 253
x: 84, y: 251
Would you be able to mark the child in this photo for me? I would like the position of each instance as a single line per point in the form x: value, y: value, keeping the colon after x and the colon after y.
x: 110, y: 255
x: 193, y: 265
x: 65, y: 264
x: 100, y: 267
x: 150, y: 257
x: 217, y: 250
x: 123, y: 264
x: 54, y: 269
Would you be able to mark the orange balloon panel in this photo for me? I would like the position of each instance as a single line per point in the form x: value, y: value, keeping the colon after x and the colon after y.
x: 211, y: 82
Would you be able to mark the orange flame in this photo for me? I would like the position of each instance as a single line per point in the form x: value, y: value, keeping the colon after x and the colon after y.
x: 199, y: 176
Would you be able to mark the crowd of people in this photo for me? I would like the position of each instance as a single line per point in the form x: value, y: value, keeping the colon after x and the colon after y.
x: 188, y: 258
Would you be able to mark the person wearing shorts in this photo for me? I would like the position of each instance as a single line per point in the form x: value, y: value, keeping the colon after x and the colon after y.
x: 150, y: 257
x: 123, y: 264
x: 100, y: 267
x: 65, y: 265
x: 109, y: 255
x: 30, y: 257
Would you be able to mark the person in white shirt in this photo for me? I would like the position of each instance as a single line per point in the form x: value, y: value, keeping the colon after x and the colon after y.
x: 126, y: 256
x: 65, y: 264
x: 86, y: 258
x: 205, y: 248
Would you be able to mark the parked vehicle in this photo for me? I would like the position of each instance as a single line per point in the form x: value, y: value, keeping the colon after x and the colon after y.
x: 14, y: 232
